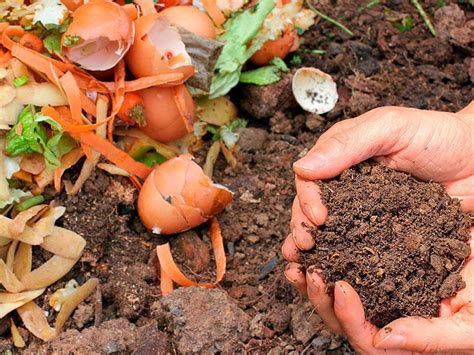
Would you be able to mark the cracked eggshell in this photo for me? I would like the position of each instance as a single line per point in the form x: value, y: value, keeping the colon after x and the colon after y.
x: 157, y: 47
x: 169, y: 112
x: 314, y: 90
x: 178, y: 196
x: 105, y: 32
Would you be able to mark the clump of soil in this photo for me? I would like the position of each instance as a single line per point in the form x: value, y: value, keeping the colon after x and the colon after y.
x: 398, y: 241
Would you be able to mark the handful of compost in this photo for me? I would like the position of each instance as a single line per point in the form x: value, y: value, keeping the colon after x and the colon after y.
x: 398, y: 241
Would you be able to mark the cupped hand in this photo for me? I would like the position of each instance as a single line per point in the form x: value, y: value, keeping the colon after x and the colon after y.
x: 436, y: 146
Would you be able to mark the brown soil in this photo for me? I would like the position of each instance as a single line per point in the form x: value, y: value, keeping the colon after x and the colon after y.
x: 378, y: 66
x: 398, y: 241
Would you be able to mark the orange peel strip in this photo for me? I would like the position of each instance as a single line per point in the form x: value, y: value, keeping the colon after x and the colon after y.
x: 166, y: 284
x: 169, y: 267
x: 115, y: 155
x: 214, y: 13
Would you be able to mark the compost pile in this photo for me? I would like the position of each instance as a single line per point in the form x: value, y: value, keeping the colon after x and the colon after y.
x: 398, y: 241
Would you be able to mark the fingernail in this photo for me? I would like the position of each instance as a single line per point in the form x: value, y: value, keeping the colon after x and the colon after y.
x: 313, y: 213
x: 311, y: 164
x: 312, y: 286
x: 340, y: 299
x: 391, y: 341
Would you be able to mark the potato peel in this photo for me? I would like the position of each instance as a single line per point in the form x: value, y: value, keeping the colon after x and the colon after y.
x: 73, y: 301
x: 35, y: 321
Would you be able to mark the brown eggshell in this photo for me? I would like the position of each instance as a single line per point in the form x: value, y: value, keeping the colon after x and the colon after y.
x: 105, y: 31
x: 144, y: 57
x: 175, y: 182
x: 277, y: 48
x: 156, y: 213
x: 191, y: 19
x: 101, y: 18
x: 169, y: 112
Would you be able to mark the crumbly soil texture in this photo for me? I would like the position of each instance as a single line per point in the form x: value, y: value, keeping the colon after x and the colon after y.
x: 255, y: 310
x: 398, y: 241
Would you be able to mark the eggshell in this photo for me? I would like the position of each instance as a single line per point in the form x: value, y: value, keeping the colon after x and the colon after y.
x: 169, y: 112
x: 314, y: 90
x: 191, y: 19
x: 181, y: 184
x: 105, y: 32
x: 277, y: 48
x: 157, y: 47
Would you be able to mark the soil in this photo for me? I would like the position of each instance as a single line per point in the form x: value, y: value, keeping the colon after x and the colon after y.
x: 398, y: 241
x: 379, y: 65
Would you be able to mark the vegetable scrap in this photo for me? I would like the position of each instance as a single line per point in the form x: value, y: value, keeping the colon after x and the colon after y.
x: 30, y: 228
x: 135, y: 97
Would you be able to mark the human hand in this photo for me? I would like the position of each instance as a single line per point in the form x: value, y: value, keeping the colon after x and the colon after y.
x: 434, y: 146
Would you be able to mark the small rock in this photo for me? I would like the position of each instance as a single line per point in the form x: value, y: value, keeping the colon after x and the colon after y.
x: 314, y: 122
x: 279, y: 317
x: 262, y: 219
x: 305, y: 322
x: 450, y: 24
x: 265, y: 101
x: 194, y: 250
x: 321, y: 342
x: 280, y: 123
x: 252, y: 139
x: 83, y: 314
x: 258, y: 328
x: 243, y: 291
x: 253, y: 239
x: 205, y: 321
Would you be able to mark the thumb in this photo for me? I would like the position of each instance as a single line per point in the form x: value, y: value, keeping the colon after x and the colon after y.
x: 350, y: 142
x: 429, y: 335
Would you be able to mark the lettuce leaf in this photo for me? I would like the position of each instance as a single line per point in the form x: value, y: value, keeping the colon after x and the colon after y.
x: 265, y: 75
x: 30, y: 135
x: 239, y: 31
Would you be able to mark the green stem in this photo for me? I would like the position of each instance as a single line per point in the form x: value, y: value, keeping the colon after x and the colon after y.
x: 424, y: 16
x: 329, y: 19
x: 32, y: 201
x: 369, y: 5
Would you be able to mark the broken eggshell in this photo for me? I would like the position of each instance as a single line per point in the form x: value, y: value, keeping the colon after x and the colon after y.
x: 99, y: 35
x: 157, y: 47
x: 314, y: 90
x: 178, y: 196
x: 169, y: 112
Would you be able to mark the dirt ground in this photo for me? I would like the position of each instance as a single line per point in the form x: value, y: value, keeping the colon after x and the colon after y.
x: 254, y: 310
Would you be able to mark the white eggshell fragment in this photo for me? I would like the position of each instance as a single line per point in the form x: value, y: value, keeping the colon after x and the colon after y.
x: 314, y: 90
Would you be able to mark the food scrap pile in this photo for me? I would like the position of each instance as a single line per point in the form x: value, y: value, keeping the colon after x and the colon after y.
x: 133, y: 89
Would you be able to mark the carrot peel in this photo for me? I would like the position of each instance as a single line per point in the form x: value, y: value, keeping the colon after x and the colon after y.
x: 172, y: 271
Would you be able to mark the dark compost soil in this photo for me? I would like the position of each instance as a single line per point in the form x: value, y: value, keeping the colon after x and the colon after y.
x: 399, y: 242
x: 378, y: 66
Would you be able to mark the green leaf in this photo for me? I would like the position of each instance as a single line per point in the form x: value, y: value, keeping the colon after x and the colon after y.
x: 71, y: 41
x: 237, y: 123
x: 20, y: 81
x: 30, y: 135
x: 239, y: 31
x: 265, y: 75
x: 52, y: 43
x: 152, y: 158
x: 295, y: 60
x: 23, y: 138
x: 405, y: 24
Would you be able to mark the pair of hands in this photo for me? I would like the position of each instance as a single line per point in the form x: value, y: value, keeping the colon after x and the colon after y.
x: 433, y: 146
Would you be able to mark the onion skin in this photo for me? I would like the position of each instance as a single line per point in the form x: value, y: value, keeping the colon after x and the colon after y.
x: 169, y: 112
x: 191, y: 19
x: 178, y: 196
x: 277, y: 48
